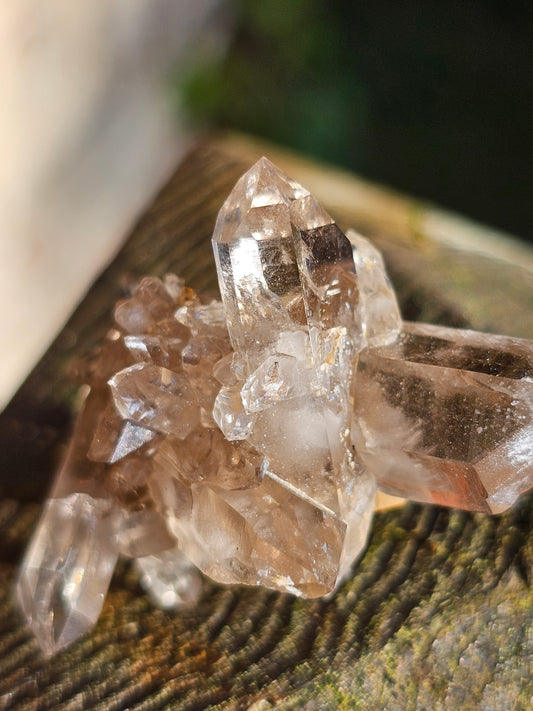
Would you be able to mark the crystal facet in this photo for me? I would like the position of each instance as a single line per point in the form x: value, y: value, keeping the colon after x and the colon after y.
x: 245, y: 437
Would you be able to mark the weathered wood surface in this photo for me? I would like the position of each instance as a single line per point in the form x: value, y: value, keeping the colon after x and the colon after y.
x: 439, y: 612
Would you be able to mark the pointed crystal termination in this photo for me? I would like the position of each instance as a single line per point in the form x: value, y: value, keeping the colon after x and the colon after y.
x: 67, y: 569
x: 446, y: 416
x: 288, y: 283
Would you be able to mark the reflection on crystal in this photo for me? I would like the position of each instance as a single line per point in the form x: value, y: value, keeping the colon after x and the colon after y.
x: 67, y: 569
x: 115, y: 438
x: 170, y: 580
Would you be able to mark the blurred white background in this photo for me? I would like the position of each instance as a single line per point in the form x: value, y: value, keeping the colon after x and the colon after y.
x: 88, y: 133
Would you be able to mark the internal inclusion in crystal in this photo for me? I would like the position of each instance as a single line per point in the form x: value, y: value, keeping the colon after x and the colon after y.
x: 222, y: 436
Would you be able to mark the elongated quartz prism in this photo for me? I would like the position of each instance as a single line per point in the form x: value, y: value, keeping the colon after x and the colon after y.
x: 289, y: 288
x: 446, y: 416
x: 68, y: 566
x: 67, y: 569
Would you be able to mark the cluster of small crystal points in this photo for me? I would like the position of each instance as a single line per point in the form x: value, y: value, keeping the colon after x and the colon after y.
x: 220, y: 436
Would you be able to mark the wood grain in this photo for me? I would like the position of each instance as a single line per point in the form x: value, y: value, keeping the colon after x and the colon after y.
x: 439, y: 611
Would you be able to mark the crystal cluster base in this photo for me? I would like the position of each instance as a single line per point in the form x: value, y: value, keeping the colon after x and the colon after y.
x: 245, y: 438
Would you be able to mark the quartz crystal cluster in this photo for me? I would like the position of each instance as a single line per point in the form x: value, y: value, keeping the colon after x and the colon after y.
x: 245, y: 438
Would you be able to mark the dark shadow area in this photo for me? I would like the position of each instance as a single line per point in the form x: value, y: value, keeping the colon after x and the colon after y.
x: 433, y: 98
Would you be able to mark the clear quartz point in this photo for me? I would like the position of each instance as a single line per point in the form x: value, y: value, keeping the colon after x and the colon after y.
x: 229, y: 414
x: 156, y: 398
x: 67, y: 569
x: 288, y: 283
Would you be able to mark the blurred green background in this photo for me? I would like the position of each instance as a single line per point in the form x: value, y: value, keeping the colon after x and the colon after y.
x: 433, y: 98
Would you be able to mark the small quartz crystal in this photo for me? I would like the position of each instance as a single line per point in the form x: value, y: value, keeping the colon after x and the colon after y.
x: 155, y: 398
x: 380, y: 316
x: 230, y: 416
